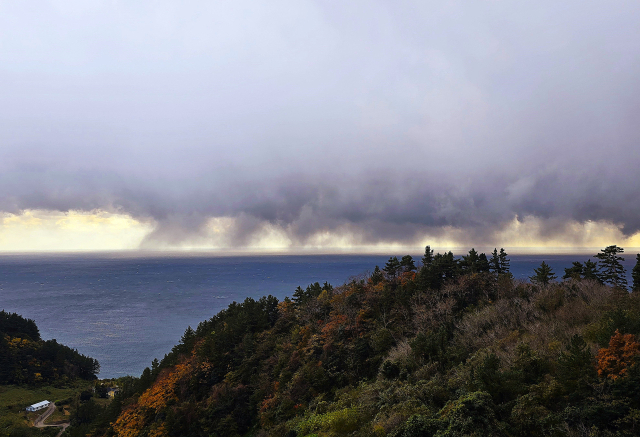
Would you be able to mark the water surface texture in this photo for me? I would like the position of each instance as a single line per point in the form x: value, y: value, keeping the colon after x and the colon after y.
x: 126, y: 311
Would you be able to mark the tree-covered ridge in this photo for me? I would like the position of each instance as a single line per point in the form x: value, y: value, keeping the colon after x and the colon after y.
x: 452, y: 347
x: 14, y: 325
x: 27, y: 359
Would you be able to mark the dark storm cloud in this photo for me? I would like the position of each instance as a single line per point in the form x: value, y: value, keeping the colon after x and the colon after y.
x: 381, y: 120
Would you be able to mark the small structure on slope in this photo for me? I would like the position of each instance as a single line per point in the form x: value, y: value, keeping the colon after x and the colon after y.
x: 38, y: 406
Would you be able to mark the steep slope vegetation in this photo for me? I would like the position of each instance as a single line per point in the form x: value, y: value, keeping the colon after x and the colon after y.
x: 402, y: 353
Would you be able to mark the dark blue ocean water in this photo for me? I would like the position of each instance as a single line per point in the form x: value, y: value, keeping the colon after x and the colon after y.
x: 127, y: 310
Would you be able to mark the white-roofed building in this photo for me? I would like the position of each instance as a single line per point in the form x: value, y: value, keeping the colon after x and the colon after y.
x: 38, y: 406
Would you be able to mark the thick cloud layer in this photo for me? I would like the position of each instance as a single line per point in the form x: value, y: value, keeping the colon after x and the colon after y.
x: 383, y: 121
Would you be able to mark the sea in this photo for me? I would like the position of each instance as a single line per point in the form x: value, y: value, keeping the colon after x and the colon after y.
x: 125, y: 310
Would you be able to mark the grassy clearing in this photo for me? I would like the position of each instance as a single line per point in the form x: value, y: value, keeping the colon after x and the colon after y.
x: 15, y: 399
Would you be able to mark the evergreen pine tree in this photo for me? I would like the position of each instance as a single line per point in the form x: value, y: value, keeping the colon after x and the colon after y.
x: 449, y: 266
x: 299, y: 295
x: 611, y: 271
x: 427, y: 259
x: 590, y: 271
x: 504, y: 261
x: 392, y: 266
x: 377, y: 276
x: 469, y: 262
x: 635, y: 274
x: 495, y: 262
x: 188, y: 339
x: 543, y: 275
x: 483, y: 263
x: 574, y: 272
x: 407, y: 263
x: 436, y: 272
x: 146, y: 379
x: 314, y: 290
x: 575, y: 366
x: 430, y: 275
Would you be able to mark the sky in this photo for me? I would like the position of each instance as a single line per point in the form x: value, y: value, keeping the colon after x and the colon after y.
x: 324, y: 126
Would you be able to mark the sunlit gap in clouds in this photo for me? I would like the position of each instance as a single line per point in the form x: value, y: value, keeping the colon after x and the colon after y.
x: 88, y: 231
x: 54, y: 231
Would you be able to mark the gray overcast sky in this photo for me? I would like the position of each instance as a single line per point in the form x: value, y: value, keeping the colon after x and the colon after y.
x: 383, y: 121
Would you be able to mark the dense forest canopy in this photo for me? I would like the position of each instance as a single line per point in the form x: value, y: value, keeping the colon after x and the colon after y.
x: 27, y: 359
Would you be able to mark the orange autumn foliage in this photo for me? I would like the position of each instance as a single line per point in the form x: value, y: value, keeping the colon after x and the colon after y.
x: 133, y: 420
x: 613, y: 362
x: 407, y: 277
x: 165, y: 387
x: 333, y: 324
x: 286, y: 307
x: 130, y: 422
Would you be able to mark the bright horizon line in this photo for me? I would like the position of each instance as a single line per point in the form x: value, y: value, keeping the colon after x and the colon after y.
x: 457, y: 250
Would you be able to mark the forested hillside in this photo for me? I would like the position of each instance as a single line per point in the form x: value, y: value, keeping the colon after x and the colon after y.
x: 453, y: 347
x: 27, y: 359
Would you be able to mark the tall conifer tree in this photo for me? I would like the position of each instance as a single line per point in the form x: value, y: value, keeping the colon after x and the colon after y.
x: 611, y: 271
x: 635, y: 274
x: 543, y: 275
x: 427, y: 259
x: 504, y: 261
x: 470, y: 262
x: 377, y: 276
x: 574, y: 272
x: 392, y: 266
x: 407, y: 263
x: 483, y: 263
x: 495, y: 262
x: 590, y: 271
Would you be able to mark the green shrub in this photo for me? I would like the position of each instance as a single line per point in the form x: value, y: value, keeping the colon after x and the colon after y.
x: 471, y: 415
x: 343, y: 421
